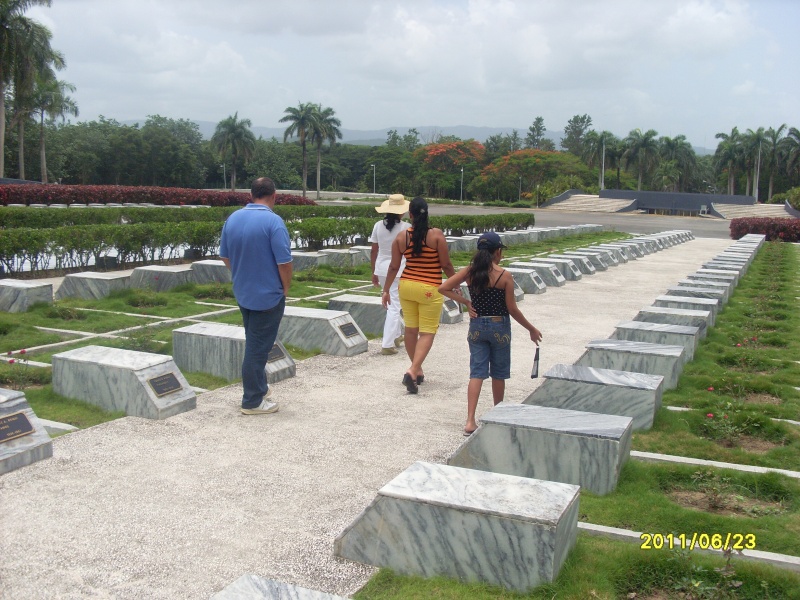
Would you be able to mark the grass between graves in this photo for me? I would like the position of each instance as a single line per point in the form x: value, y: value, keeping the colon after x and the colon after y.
x: 599, y: 568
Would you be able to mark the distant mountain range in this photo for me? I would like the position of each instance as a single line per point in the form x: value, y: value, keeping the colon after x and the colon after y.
x: 377, y: 137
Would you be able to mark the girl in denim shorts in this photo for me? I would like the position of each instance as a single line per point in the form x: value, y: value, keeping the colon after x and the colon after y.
x: 491, y: 305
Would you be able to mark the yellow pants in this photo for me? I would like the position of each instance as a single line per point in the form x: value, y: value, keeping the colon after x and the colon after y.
x: 422, y: 305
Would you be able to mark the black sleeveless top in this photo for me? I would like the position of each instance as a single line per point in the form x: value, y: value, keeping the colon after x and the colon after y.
x: 491, y: 302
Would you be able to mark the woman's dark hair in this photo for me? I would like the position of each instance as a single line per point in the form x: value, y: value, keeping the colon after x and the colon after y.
x: 390, y: 220
x: 479, y: 269
x: 419, y: 210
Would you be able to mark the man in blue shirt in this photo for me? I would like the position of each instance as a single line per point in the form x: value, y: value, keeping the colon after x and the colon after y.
x: 255, y: 246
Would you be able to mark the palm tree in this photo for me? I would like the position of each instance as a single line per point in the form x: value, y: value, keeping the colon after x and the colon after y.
x: 667, y: 175
x: 301, y: 120
x: 324, y: 129
x: 679, y: 151
x: 615, y: 150
x: 595, y: 151
x: 642, y: 149
x: 15, y: 34
x: 753, y: 144
x: 773, y: 155
x: 50, y: 99
x: 791, y: 150
x: 727, y: 155
x: 233, y: 135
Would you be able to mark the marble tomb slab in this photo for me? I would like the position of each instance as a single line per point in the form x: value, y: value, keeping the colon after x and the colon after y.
x: 23, y: 437
x: 451, y: 312
x: 638, y: 357
x: 565, y: 266
x: 92, y: 285
x: 554, y: 444
x: 583, y: 263
x: 365, y: 250
x: 519, y: 294
x: 528, y: 280
x: 367, y: 311
x: 460, y: 244
x: 635, y: 249
x: 710, y: 304
x: 725, y: 266
x: 606, y: 391
x: 18, y: 296
x: 550, y: 274
x: 697, y: 292
x: 619, y: 252
x: 608, y: 257
x: 659, y: 333
x: 599, y: 260
x: 160, y: 278
x: 722, y: 286
x: 436, y: 520
x: 253, y: 587
x: 729, y: 279
x: 302, y: 261
x: 719, y: 273
x: 210, y: 271
x: 331, y: 331
x: 345, y: 257
x: 676, y: 316
x: 218, y: 349
x: 140, y: 384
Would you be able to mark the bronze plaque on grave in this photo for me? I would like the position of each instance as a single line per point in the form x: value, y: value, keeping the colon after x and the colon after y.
x: 164, y: 384
x: 451, y: 304
x: 275, y: 354
x: 348, y: 329
x: 14, y: 426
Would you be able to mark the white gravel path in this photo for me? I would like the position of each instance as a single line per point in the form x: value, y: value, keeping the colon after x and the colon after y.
x: 181, y: 508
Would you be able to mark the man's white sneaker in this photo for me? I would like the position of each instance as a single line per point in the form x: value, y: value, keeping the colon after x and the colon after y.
x: 264, y: 408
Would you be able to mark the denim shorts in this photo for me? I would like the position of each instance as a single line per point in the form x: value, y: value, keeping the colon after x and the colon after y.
x: 489, y: 348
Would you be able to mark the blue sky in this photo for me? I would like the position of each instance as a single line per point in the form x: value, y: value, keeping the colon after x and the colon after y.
x: 687, y: 67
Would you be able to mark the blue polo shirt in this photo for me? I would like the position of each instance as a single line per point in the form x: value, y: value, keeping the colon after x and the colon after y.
x: 255, y: 241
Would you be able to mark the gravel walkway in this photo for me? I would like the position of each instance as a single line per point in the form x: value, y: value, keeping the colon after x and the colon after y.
x: 181, y: 508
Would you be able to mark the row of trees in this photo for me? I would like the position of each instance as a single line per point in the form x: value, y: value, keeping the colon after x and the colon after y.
x: 28, y: 65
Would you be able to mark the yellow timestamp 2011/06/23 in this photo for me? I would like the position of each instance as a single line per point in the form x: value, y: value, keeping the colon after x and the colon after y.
x: 698, y: 541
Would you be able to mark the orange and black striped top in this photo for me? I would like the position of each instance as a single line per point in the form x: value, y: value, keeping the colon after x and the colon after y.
x: 424, y: 268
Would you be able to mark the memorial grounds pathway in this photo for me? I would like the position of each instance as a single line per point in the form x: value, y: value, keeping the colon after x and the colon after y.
x: 180, y: 508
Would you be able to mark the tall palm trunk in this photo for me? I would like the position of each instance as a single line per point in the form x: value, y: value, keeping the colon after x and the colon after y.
x: 2, y: 130
x: 233, y: 173
x: 21, y: 149
x: 319, y: 166
x: 42, y: 154
x: 771, y: 181
x: 305, y: 166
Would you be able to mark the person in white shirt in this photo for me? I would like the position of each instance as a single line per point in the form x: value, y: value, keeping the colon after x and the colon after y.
x: 383, y: 234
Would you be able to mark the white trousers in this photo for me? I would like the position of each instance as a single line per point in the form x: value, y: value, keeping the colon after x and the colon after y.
x: 392, y: 328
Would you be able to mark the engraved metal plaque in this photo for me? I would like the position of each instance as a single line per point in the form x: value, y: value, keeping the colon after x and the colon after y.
x: 14, y: 426
x: 348, y: 329
x: 164, y: 384
x: 275, y: 354
x: 451, y: 304
x: 538, y: 279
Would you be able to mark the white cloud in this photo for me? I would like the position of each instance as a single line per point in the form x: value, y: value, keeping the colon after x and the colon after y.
x: 627, y: 63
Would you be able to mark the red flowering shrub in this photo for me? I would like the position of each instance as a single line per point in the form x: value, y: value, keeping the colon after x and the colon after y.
x: 105, y: 194
x: 785, y: 229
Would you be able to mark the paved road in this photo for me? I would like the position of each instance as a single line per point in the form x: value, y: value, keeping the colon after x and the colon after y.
x: 705, y: 227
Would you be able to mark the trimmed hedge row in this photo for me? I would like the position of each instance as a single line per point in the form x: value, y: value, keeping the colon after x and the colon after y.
x: 37, y: 248
x: 105, y: 194
x: 783, y: 229
x: 47, y: 218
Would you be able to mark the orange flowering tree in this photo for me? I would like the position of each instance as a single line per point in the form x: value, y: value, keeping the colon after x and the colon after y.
x: 523, y: 171
x: 441, y: 164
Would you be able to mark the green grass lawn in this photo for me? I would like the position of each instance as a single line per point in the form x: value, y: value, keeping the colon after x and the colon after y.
x: 600, y: 568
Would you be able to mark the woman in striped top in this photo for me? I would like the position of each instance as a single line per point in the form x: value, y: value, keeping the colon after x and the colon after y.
x: 425, y: 251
